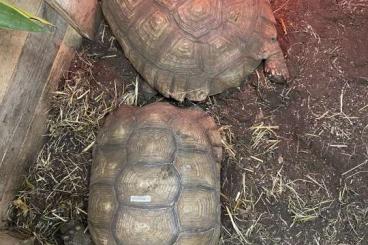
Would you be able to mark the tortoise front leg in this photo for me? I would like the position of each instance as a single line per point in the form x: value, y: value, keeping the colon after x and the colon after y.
x: 275, y: 65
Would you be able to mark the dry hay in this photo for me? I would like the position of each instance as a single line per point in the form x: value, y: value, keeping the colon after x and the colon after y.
x: 56, y: 187
x: 270, y: 207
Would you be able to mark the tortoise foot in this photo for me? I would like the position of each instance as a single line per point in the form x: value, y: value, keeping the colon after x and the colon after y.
x: 276, y: 69
x: 73, y: 233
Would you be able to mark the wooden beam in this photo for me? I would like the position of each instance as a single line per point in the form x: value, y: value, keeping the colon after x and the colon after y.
x: 83, y: 15
x: 40, y: 59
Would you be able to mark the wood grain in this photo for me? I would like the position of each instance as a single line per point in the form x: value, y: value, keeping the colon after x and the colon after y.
x: 84, y: 21
x: 37, y: 62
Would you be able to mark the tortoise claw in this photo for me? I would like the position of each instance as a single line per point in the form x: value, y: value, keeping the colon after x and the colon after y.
x: 276, y: 69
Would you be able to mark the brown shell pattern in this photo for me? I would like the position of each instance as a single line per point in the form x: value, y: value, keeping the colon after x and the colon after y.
x: 155, y: 178
x: 192, y: 48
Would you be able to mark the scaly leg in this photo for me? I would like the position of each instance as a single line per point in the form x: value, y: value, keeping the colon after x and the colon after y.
x: 275, y: 65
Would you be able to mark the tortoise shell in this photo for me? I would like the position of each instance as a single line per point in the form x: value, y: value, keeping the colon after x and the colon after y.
x: 155, y: 178
x: 195, y: 48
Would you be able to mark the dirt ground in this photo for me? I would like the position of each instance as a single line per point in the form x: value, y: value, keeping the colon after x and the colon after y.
x: 299, y: 174
x: 295, y: 169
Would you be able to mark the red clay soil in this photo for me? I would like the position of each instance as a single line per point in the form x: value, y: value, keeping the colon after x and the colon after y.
x: 321, y: 123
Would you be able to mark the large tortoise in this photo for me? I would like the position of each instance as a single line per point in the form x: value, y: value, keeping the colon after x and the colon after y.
x: 195, y: 48
x: 155, y: 178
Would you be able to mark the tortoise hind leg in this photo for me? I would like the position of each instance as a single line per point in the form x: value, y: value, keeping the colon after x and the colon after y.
x: 275, y: 66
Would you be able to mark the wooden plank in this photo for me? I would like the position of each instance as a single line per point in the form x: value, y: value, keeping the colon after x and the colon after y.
x: 23, y: 110
x: 83, y: 15
x: 11, y: 46
x: 14, y: 41
x: 31, y: 72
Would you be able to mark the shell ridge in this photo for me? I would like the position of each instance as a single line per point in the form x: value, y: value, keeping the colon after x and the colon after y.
x: 120, y: 205
x: 199, y: 186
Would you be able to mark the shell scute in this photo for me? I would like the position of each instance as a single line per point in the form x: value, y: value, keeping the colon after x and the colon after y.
x: 196, y: 169
x: 148, y: 186
x: 107, y: 163
x: 197, y: 209
x: 102, y: 206
x: 196, y: 238
x: 151, y: 145
x: 198, y: 17
x: 145, y: 226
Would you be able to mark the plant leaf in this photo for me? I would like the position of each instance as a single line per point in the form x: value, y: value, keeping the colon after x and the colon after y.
x: 16, y: 19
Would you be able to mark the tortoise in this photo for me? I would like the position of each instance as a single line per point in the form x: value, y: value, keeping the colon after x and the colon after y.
x: 155, y: 178
x: 196, y: 48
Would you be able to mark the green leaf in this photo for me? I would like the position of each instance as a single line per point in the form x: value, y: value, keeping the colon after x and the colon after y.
x: 16, y: 19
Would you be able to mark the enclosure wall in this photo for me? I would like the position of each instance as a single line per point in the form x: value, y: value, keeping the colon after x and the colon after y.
x: 30, y: 66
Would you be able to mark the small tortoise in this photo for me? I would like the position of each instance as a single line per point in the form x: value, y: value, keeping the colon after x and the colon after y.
x: 196, y: 48
x: 155, y: 178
